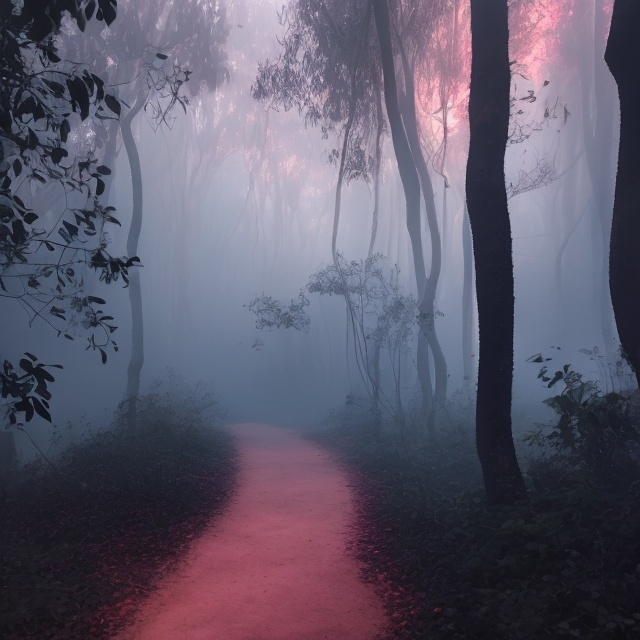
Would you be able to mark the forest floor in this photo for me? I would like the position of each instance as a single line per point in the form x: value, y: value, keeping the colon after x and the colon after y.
x: 85, y: 540
x: 277, y: 565
x: 563, y: 564
x: 85, y: 543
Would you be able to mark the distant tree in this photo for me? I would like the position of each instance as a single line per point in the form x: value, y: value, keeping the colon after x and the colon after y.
x: 622, y: 55
x: 381, y: 319
x: 331, y: 69
x: 52, y: 218
x: 492, y: 246
x: 149, y: 54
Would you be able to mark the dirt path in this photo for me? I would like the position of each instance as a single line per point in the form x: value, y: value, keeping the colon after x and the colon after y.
x: 276, y: 566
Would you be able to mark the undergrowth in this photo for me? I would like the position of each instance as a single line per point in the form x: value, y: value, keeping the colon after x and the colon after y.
x: 84, y: 539
x: 562, y: 564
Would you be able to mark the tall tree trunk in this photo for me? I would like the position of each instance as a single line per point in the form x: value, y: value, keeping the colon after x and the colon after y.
x: 427, y: 297
x: 135, y: 294
x: 598, y: 125
x: 359, y: 339
x: 408, y: 175
x: 467, y: 304
x: 489, y: 218
x: 378, y: 163
x: 622, y: 55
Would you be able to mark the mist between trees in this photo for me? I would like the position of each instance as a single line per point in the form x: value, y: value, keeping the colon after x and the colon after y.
x: 400, y: 172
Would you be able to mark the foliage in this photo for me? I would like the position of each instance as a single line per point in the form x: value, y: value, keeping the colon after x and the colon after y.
x: 594, y: 430
x: 379, y: 312
x: 381, y: 317
x: 52, y: 219
x: 273, y: 314
x: 84, y: 541
x: 27, y: 392
x: 560, y: 565
x: 313, y: 74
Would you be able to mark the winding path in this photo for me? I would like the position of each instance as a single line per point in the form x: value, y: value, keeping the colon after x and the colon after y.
x: 276, y: 565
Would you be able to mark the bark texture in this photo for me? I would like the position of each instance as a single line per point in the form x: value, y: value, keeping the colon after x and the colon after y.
x: 622, y: 55
x: 491, y: 231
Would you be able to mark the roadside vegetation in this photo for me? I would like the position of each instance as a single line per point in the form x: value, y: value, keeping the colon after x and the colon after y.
x: 561, y: 564
x: 85, y: 537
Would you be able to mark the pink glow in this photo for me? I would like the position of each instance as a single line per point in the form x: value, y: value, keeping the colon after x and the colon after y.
x: 276, y: 566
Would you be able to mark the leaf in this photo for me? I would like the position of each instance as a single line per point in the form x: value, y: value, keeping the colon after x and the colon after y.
x: 58, y: 154
x: 65, y: 129
x: 113, y: 104
x: 107, y: 11
x: 96, y: 300
x: 103, y: 170
x: 79, y: 93
x: 103, y: 355
x: 40, y: 409
x: 162, y: 56
x: 26, y: 365
x: 90, y: 9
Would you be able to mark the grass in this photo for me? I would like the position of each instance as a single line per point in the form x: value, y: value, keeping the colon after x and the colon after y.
x: 83, y: 541
x: 563, y: 564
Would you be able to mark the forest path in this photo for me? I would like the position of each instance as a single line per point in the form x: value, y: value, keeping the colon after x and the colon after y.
x: 276, y: 565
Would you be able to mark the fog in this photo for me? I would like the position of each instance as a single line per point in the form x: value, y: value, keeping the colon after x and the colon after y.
x: 239, y: 202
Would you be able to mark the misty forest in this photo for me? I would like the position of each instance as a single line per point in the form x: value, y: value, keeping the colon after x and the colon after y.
x: 320, y: 319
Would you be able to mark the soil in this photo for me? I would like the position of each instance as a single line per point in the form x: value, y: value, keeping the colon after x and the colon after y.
x: 277, y: 565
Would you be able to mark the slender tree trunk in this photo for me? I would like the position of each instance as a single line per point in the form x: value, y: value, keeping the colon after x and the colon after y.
x: 489, y: 218
x: 467, y: 304
x: 359, y: 340
x: 427, y: 297
x: 622, y: 55
x: 376, y: 391
x: 408, y: 174
x: 378, y: 162
x: 135, y: 293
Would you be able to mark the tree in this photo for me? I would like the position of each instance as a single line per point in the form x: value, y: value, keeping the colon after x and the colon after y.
x: 146, y: 54
x: 52, y: 225
x: 621, y: 55
x: 489, y: 219
x: 323, y: 72
x: 382, y: 318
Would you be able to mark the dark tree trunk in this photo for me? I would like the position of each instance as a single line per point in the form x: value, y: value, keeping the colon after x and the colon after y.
x: 489, y: 218
x: 135, y: 294
x: 622, y: 55
x: 408, y: 176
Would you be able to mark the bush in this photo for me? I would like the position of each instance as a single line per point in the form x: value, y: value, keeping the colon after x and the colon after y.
x: 594, y: 431
x: 85, y: 539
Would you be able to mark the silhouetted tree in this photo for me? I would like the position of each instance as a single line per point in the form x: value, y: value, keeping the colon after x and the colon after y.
x: 44, y: 245
x: 622, y: 55
x: 490, y: 226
